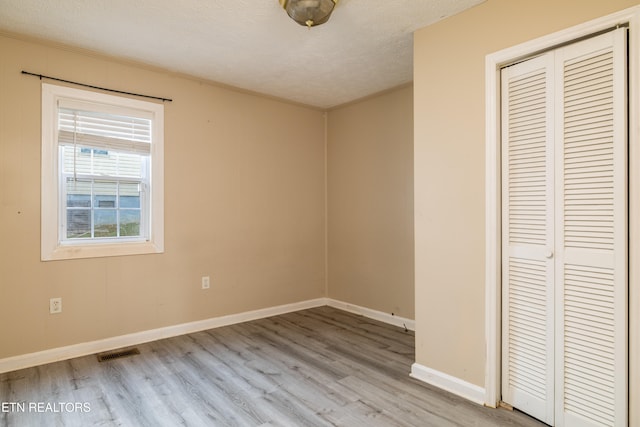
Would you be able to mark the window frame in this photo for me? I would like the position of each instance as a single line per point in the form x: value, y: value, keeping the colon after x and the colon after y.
x: 53, y: 244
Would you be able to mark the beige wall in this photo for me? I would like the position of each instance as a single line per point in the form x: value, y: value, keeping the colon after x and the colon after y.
x: 370, y: 203
x: 449, y: 60
x: 244, y: 203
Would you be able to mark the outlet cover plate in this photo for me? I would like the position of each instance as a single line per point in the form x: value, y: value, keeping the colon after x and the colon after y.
x: 55, y: 305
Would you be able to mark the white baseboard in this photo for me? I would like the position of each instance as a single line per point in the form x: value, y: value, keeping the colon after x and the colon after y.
x: 373, y: 314
x: 449, y: 383
x: 77, y: 350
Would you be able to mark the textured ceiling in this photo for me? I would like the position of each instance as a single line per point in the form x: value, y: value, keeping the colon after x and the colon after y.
x: 366, y: 47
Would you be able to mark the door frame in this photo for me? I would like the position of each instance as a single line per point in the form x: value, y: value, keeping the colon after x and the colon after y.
x: 493, y: 204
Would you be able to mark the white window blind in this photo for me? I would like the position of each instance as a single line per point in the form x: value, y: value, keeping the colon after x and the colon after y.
x: 80, y: 126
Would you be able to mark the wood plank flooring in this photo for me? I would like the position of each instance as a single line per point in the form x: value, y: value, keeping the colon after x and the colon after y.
x: 317, y: 367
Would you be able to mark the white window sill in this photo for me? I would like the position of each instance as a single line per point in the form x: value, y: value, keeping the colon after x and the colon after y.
x: 102, y: 250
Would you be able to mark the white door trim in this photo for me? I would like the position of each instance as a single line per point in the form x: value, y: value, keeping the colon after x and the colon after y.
x: 493, y: 63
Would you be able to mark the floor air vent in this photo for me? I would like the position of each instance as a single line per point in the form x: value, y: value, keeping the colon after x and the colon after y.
x: 118, y: 354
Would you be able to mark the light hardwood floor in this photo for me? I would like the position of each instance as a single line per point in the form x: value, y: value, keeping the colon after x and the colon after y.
x: 317, y: 367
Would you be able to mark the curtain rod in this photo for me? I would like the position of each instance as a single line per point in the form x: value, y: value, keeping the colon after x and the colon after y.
x: 41, y: 76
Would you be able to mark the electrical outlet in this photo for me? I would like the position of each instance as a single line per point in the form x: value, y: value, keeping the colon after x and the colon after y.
x: 55, y: 305
x: 206, y: 282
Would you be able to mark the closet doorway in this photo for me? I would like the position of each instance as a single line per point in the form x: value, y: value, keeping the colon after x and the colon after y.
x: 565, y: 233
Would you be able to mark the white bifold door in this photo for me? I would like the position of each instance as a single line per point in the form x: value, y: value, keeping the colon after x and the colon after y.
x: 564, y: 233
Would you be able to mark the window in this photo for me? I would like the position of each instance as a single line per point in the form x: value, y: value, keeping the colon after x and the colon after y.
x: 102, y: 175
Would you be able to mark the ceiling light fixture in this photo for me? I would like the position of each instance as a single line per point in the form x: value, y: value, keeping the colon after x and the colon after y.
x: 309, y: 12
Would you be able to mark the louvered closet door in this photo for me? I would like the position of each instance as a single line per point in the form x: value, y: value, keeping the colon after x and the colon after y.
x: 528, y: 224
x: 564, y: 231
x: 591, y: 261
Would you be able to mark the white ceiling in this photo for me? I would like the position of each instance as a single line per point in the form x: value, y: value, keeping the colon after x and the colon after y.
x: 366, y: 47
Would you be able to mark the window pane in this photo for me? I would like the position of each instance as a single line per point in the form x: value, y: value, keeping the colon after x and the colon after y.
x: 104, y: 194
x: 115, y: 207
x: 78, y: 193
x: 129, y: 222
x: 105, y: 162
x: 130, y: 165
x: 105, y: 223
x: 81, y: 163
x: 78, y: 223
x: 129, y: 195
